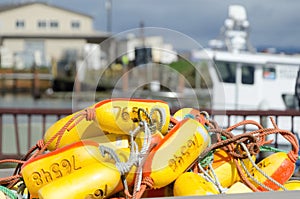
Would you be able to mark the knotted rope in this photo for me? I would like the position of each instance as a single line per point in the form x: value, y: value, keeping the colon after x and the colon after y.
x: 248, y: 144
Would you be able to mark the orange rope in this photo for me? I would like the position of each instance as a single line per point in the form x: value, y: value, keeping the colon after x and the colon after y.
x: 89, y: 114
x: 10, y: 181
x: 12, y: 161
x: 260, y: 134
x: 147, y: 182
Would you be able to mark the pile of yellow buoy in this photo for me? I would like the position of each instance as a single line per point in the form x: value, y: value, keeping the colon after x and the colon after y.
x: 135, y: 148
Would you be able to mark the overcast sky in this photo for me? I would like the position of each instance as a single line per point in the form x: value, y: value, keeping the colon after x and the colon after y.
x: 273, y: 22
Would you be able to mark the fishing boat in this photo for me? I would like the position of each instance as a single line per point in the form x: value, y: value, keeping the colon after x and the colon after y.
x: 241, y: 78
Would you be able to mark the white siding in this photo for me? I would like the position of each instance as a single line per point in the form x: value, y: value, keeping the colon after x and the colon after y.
x: 32, y: 14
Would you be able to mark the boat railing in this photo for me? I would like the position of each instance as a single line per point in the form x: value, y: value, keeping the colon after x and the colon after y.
x: 21, y: 128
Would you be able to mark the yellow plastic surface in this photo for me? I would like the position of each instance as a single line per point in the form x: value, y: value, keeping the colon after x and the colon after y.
x: 2, y: 195
x: 184, y: 112
x: 120, y: 116
x: 115, y: 141
x: 155, y: 139
x: 96, y: 180
x: 224, y: 168
x: 278, y: 166
x: 238, y: 187
x: 123, y: 154
x: 57, y: 164
x: 192, y: 184
x: 82, y: 130
x: 117, y: 116
x: 292, y: 185
x: 176, y: 152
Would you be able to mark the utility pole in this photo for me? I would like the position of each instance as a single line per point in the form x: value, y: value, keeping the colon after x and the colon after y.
x: 108, y: 7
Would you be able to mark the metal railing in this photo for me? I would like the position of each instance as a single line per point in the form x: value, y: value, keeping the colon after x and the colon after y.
x: 12, y: 119
x: 21, y: 131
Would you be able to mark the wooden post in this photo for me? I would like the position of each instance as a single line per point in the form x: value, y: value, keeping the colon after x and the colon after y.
x: 35, y: 84
x: 3, y: 85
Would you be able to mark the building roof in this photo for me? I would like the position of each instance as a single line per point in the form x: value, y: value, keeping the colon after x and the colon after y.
x: 96, y: 37
x: 11, y: 6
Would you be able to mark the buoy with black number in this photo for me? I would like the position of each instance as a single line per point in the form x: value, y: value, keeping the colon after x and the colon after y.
x: 176, y: 152
x: 120, y: 116
x: 116, y: 116
x: 52, y: 166
x: 94, y: 181
x: 278, y: 166
x: 193, y: 184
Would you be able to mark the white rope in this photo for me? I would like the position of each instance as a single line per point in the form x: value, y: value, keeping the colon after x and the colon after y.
x: 259, y: 170
x: 215, y: 181
x: 142, y: 154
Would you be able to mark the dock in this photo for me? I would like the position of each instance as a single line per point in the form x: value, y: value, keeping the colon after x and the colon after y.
x: 11, y: 82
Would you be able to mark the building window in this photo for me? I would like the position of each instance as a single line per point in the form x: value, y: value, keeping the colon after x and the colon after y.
x: 75, y: 24
x: 42, y: 24
x: 248, y: 74
x: 53, y: 24
x: 20, y: 23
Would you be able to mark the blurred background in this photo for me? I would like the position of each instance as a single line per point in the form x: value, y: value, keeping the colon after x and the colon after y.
x: 47, y: 41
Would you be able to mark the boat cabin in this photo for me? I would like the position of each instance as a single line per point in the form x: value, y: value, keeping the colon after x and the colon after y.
x: 248, y: 81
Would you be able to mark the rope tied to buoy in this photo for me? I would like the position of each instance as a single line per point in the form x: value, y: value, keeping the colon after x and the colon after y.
x: 41, y: 146
x: 248, y: 144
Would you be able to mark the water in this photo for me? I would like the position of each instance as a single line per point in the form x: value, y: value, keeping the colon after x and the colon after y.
x: 26, y: 101
x: 8, y: 139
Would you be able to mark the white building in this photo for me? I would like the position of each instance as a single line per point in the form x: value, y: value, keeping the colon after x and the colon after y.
x: 42, y: 33
x: 161, y: 52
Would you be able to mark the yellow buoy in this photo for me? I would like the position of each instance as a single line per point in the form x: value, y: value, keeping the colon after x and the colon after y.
x: 52, y: 166
x: 123, y: 154
x: 176, y: 152
x: 225, y: 168
x: 191, y: 113
x: 117, y: 116
x: 115, y: 141
x: 2, y: 195
x: 156, y: 137
x: 192, y: 184
x: 120, y: 116
x: 94, y: 181
x: 238, y: 187
x: 292, y: 185
x: 278, y: 166
x: 81, y: 130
